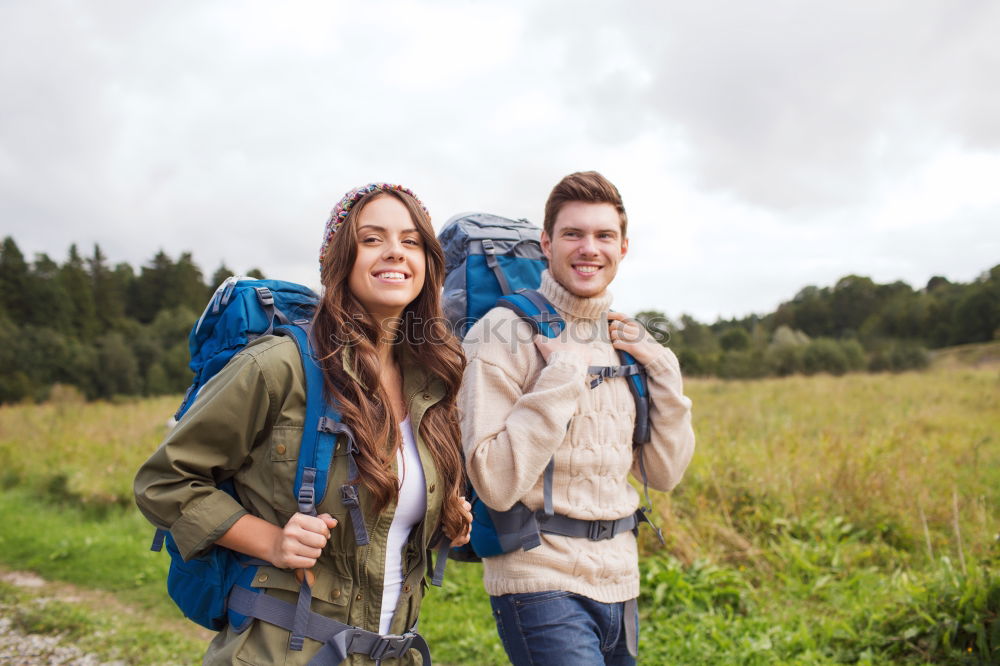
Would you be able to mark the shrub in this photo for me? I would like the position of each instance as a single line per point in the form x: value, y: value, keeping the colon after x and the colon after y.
x: 117, y: 370
x: 695, y: 363
x: 741, y: 365
x: 824, y: 355
x: 735, y: 339
x: 783, y: 360
x: 897, y: 356
x: 854, y: 353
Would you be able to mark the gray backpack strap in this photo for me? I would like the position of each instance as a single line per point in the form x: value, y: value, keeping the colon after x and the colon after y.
x: 444, y: 545
x: 594, y: 530
x: 516, y: 528
x: 340, y: 640
x: 603, y: 372
x: 631, y: 612
x: 547, y: 487
x: 490, y: 252
x: 349, y: 492
x: 642, y: 513
x: 158, y: 538
x: 300, y: 619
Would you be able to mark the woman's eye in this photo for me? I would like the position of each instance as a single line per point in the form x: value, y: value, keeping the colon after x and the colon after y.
x: 369, y: 239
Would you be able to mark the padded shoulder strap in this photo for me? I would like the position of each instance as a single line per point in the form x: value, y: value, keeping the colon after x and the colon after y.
x: 318, y: 442
x: 639, y: 387
x: 322, y: 425
x: 535, y: 309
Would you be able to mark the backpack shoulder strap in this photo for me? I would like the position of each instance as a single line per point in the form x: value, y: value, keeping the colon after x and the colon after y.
x: 535, y: 309
x: 316, y: 451
x: 639, y: 387
x: 322, y: 425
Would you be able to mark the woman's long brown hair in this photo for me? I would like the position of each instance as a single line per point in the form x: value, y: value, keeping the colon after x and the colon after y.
x: 342, y: 323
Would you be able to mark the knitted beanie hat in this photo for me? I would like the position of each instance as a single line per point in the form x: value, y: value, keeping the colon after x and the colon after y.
x: 343, y: 207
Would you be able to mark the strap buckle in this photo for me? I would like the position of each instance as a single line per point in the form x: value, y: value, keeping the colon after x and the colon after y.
x: 265, y: 296
x: 307, y: 495
x: 349, y: 495
x: 601, y: 529
x: 392, y: 646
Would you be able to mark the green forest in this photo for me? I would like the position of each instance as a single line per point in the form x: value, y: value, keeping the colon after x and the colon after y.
x: 855, y: 325
x: 110, y: 330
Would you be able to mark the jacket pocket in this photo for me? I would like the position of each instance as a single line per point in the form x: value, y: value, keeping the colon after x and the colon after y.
x: 283, y: 460
x: 265, y: 643
x: 330, y: 589
x: 285, y: 446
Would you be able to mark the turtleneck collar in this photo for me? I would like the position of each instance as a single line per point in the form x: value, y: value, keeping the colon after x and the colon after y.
x: 575, y: 306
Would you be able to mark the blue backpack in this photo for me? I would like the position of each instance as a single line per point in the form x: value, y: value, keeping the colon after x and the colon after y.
x: 485, y: 257
x: 491, y: 261
x: 215, y: 589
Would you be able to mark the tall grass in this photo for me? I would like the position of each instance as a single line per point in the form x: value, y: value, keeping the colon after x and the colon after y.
x: 823, y: 520
x: 888, y: 453
x: 87, y: 452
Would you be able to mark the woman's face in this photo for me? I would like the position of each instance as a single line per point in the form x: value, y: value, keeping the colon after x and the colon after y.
x: 389, y: 269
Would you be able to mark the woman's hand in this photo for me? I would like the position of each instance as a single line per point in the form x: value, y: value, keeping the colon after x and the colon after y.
x: 299, y: 544
x: 630, y: 336
x: 463, y: 538
x: 296, y: 546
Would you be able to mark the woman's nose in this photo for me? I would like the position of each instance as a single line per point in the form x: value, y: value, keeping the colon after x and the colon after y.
x: 393, y: 250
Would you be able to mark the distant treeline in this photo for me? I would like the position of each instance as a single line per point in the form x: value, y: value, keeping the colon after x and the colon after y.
x: 110, y: 330
x: 855, y: 325
x: 105, y: 330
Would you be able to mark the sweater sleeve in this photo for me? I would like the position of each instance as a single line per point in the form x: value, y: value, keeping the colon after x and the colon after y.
x: 671, y: 444
x: 509, y: 433
x: 177, y: 487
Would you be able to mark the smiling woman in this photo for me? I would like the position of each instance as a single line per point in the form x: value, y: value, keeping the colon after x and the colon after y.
x: 389, y: 268
x: 382, y: 270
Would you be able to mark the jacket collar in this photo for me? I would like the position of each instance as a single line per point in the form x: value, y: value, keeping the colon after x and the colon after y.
x: 415, y: 376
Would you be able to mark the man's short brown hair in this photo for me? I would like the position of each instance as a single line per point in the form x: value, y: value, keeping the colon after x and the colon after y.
x: 586, y: 186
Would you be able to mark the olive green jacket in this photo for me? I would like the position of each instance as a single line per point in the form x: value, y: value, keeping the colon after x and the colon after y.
x: 247, y: 425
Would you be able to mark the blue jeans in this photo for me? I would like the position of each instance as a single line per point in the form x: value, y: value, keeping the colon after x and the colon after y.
x: 557, y: 628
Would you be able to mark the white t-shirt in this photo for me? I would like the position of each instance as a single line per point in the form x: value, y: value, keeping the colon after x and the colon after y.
x: 410, y: 511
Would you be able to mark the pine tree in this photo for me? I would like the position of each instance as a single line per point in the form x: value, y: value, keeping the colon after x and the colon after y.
x: 77, y: 284
x: 188, y: 286
x: 151, y: 290
x: 108, y: 298
x: 14, y: 282
x: 52, y: 306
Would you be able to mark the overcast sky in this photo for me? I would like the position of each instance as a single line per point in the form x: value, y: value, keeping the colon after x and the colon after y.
x: 759, y: 147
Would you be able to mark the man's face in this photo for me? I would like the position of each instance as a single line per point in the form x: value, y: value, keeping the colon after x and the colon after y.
x: 585, y: 247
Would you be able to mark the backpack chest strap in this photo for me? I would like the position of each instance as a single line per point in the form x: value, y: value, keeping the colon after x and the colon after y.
x: 603, y: 372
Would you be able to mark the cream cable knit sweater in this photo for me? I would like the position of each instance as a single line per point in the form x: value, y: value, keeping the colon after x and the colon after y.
x: 517, y: 413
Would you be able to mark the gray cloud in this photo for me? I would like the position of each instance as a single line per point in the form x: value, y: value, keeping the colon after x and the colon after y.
x: 755, y: 144
x: 790, y: 104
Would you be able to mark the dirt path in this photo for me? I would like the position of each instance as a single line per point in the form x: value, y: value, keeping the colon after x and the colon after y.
x: 32, y: 649
x: 20, y: 648
x: 28, y: 649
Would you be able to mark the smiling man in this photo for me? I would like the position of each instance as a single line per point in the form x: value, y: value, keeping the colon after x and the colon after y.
x: 570, y: 599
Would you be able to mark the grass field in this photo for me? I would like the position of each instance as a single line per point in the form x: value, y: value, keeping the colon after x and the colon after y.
x: 824, y: 520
